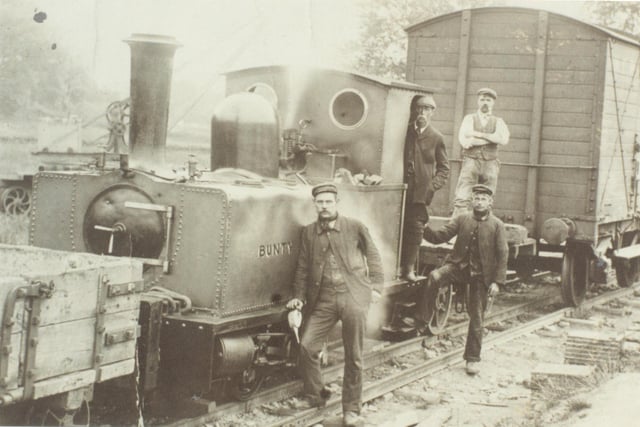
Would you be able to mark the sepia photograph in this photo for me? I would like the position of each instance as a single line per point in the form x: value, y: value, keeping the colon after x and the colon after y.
x: 394, y: 213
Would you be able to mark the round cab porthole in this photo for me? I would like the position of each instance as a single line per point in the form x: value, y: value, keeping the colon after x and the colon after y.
x: 266, y: 91
x: 348, y: 109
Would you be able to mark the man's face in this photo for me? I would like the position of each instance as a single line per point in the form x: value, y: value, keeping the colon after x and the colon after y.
x: 481, y: 202
x: 485, y: 103
x: 423, y: 113
x: 326, y: 205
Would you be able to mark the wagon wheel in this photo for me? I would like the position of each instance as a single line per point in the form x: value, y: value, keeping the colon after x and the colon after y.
x: 442, y: 308
x: 575, y: 277
x: 246, y: 384
x: 628, y: 271
x: 15, y: 200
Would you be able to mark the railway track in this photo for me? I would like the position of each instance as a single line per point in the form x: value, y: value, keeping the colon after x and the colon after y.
x: 379, y: 355
x: 394, y: 381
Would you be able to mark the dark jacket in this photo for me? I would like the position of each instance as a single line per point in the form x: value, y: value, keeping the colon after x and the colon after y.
x: 357, y: 255
x: 492, y: 241
x: 431, y: 164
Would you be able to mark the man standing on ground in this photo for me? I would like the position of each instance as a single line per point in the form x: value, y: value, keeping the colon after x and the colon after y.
x: 426, y: 170
x: 480, y: 135
x: 339, y: 271
x: 479, y: 259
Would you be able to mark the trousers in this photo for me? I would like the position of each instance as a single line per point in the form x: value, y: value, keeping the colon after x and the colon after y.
x: 476, y: 303
x: 474, y: 171
x: 330, y: 307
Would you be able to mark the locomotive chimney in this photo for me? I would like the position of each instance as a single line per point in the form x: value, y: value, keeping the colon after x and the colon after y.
x: 151, y: 69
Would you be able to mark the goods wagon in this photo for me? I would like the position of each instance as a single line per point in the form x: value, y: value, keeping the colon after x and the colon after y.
x: 569, y: 92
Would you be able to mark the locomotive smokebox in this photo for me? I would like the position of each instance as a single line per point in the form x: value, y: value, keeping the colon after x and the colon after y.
x: 151, y: 69
x: 245, y: 134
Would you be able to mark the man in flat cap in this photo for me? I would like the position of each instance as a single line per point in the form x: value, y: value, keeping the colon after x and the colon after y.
x: 339, y: 271
x: 426, y: 170
x: 479, y: 259
x: 480, y: 135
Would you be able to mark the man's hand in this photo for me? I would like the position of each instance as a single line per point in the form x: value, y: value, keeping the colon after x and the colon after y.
x: 494, y: 289
x: 294, y: 304
x: 375, y: 296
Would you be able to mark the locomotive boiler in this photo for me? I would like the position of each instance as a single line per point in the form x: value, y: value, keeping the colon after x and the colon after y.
x: 220, y: 246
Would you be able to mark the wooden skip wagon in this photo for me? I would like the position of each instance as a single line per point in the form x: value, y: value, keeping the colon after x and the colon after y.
x: 570, y: 94
x: 69, y: 320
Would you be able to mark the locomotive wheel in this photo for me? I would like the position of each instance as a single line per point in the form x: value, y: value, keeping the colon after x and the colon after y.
x: 575, y: 277
x: 16, y: 200
x: 441, y: 310
x: 628, y: 272
x: 245, y: 385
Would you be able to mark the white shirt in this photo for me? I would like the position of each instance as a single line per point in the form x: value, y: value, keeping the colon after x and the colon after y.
x: 500, y: 136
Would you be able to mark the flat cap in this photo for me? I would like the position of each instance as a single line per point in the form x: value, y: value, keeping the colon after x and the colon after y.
x: 489, y: 92
x: 326, y: 187
x: 482, y: 189
x: 426, y: 100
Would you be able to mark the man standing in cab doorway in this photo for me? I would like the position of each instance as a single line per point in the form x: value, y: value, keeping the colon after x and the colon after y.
x: 426, y: 170
x: 479, y: 260
x: 480, y: 135
x: 339, y: 273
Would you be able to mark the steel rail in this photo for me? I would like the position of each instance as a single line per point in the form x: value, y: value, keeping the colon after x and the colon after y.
x: 409, y: 375
x: 371, y: 359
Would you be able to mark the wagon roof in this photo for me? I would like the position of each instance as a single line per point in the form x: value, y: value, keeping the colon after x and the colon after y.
x: 368, y: 78
x: 616, y: 34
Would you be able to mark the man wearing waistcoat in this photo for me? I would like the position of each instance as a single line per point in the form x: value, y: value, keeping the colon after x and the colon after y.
x: 480, y: 135
x: 339, y: 272
x: 426, y: 170
x: 479, y: 259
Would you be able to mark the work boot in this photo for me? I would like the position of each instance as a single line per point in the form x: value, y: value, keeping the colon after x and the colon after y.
x: 409, y: 257
x: 473, y: 368
x: 352, y: 419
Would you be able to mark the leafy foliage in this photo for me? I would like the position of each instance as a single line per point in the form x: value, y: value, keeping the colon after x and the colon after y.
x: 38, y: 77
x: 624, y: 16
x: 382, y: 46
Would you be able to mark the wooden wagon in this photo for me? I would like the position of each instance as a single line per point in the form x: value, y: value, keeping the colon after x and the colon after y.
x: 569, y: 92
x: 69, y: 320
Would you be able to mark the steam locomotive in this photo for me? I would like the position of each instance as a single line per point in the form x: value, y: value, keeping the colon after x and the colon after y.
x: 219, y: 247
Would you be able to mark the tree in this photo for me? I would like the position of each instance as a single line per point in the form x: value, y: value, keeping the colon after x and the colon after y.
x: 382, y: 46
x: 624, y: 16
x: 38, y: 77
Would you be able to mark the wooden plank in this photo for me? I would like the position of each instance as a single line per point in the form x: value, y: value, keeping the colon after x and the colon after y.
x: 582, y: 148
x: 68, y: 347
x: 560, y: 205
x: 503, y: 89
x: 511, y: 30
x: 573, y: 47
x: 516, y: 117
x: 573, y: 91
x: 536, y: 119
x: 571, y: 63
x: 461, y: 90
x: 437, y: 45
x: 519, y: 131
x: 565, y: 29
x: 445, y: 28
x: 570, y: 77
x: 557, y: 133
x: 115, y: 370
x: 564, y: 176
x: 439, y: 85
x: 411, y: 58
x: 596, y: 129
x: 437, y: 74
x: 560, y: 159
x: 64, y: 383
x: 492, y: 45
x: 525, y: 62
x: 581, y: 120
x: 499, y: 74
x: 504, y: 16
x: 560, y: 105
x: 564, y: 189
x: 507, y: 156
x: 435, y: 59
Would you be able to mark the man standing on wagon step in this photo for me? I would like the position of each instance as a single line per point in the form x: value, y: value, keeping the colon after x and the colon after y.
x: 426, y: 170
x: 479, y: 259
x: 339, y: 271
x: 480, y: 134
